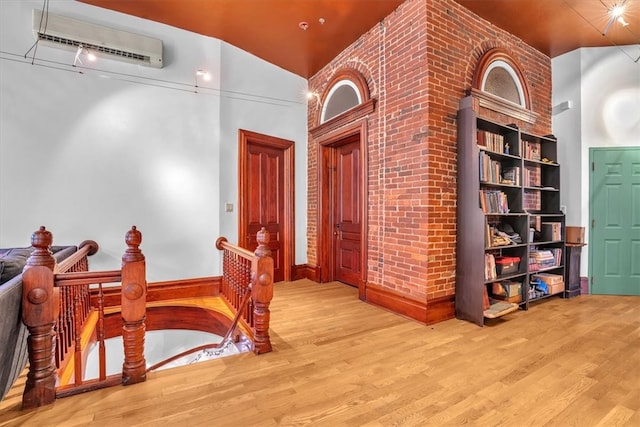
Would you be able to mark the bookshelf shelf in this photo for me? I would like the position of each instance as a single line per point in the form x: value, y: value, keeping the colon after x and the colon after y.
x: 506, y: 277
x: 546, y: 269
x: 541, y: 189
x: 493, y: 248
x: 540, y: 162
x: 508, y: 186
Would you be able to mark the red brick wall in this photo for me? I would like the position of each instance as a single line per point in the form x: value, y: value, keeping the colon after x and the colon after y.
x: 418, y: 64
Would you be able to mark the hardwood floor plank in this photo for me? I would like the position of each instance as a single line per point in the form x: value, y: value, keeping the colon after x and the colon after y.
x: 340, y: 362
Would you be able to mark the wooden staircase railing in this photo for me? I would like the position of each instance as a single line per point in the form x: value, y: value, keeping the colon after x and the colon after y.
x: 57, y: 308
x: 241, y: 270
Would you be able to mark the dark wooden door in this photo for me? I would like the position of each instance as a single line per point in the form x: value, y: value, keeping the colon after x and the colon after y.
x: 347, y: 213
x: 266, y: 200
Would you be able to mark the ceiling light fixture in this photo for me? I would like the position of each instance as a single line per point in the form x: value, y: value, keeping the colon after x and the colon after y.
x: 615, y: 14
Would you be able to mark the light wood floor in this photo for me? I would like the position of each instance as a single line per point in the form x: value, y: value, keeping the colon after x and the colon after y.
x: 340, y: 362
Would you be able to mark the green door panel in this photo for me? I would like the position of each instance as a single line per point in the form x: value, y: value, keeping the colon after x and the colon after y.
x: 614, y: 243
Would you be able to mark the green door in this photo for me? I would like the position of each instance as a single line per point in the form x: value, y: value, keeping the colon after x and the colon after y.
x: 614, y: 242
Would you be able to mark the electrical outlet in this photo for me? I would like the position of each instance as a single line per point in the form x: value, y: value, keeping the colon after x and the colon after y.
x: 228, y: 207
x: 563, y: 209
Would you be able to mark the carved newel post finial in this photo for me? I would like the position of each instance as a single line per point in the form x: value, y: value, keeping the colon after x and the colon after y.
x: 263, y: 243
x: 41, y: 240
x: 133, y: 238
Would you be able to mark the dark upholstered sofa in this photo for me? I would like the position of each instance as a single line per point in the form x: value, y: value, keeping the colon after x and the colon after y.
x: 13, y: 333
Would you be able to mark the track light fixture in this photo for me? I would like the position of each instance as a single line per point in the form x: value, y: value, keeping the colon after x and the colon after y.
x: 313, y: 96
x: 615, y: 13
x: 81, y: 49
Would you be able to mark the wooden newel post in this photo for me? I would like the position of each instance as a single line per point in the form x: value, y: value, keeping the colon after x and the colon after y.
x: 134, y: 302
x: 262, y: 291
x: 40, y: 307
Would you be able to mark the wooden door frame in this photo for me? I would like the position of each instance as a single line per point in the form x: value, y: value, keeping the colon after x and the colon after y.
x: 326, y: 249
x: 288, y: 235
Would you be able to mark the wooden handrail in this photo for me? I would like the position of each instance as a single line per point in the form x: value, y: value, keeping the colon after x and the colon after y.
x: 223, y: 244
x: 87, y: 278
x: 77, y: 260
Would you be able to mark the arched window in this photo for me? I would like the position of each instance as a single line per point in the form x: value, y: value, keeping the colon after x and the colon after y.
x: 500, y: 85
x: 345, y: 100
x: 342, y: 96
x: 502, y: 80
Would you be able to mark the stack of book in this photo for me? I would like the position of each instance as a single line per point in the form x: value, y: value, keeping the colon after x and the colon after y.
x: 490, y: 170
x: 540, y: 259
x: 492, y: 141
x: 493, y: 201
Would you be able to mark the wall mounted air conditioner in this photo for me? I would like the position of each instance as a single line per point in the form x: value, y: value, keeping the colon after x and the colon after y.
x: 67, y: 33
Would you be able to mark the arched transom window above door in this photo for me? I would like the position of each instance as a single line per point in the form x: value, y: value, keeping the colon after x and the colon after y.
x: 500, y: 85
x: 345, y: 99
x: 343, y: 96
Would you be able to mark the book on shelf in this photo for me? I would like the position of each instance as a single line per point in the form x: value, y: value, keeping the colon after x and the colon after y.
x: 530, y: 176
x: 488, y: 233
x: 557, y: 255
x: 531, y: 150
x: 491, y: 141
x: 494, y: 201
x: 490, y: 267
x: 544, y: 258
x: 551, y: 231
x: 491, y: 171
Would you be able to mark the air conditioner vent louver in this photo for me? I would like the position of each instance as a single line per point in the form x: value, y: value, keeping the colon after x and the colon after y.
x: 67, y: 33
x: 92, y: 47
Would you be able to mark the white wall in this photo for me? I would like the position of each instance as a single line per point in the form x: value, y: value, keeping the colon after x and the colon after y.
x: 278, y: 109
x: 603, y: 85
x: 89, y: 152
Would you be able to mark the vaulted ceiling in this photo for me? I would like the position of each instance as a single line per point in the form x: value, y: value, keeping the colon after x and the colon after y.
x: 302, y: 36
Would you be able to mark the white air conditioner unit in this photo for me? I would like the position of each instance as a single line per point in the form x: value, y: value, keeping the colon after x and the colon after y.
x: 67, y: 33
